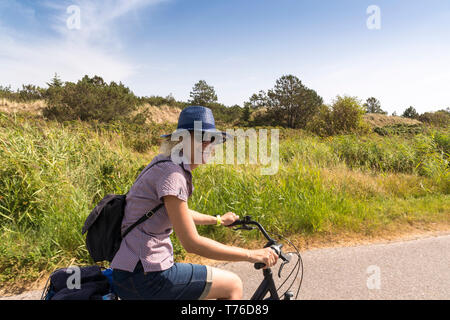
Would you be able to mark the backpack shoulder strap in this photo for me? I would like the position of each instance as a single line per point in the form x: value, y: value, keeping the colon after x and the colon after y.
x: 142, y: 219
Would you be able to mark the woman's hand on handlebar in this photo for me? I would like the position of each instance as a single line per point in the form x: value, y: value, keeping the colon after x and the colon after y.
x: 267, y: 256
x: 228, y: 218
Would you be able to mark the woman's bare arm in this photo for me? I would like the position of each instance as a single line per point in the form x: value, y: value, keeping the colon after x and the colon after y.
x: 202, y: 219
x: 184, y: 226
x: 186, y: 231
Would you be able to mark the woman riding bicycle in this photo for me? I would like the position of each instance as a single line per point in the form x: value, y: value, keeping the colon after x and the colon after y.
x: 143, y: 268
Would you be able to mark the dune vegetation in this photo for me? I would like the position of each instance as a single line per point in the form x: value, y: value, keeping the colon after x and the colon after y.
x: 53, y: 173
x: 344, y: 168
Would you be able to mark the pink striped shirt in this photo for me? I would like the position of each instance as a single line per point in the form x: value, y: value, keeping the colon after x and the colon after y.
x: 149, y: 242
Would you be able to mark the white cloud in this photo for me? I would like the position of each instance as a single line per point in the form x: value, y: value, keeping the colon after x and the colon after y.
x: 99, y: 19
x: 94, y: 49
x: 21, y: 63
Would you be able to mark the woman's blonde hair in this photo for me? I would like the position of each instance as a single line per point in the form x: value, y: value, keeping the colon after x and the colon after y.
x: 167, y: 145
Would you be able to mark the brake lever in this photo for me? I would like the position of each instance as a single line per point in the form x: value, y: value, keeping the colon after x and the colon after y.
x: 283, y: 264
x: 281, y: 268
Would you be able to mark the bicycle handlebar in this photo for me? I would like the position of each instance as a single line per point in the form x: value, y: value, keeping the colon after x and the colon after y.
x: 248, y: 221
x: 246, y: 225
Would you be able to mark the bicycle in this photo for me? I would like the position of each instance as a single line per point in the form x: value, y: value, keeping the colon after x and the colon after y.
x: 266, y: 286
x: 268, y: 283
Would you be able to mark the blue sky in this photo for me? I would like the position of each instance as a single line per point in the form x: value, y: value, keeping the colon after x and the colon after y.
x: 161, y: 47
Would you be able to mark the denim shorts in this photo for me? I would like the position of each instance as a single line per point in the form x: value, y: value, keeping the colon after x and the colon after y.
x: 182, y: 281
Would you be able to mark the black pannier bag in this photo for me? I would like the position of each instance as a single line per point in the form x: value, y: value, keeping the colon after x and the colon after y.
x: 103, y: 225
x: 94, y: 285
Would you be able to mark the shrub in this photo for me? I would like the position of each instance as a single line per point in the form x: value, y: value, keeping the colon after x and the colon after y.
x: 346, y: 114
x: 26, y: 94
x: 263, y: 117
x: 399, y: 129
x: 158, y: 101
x: 322, y: 123
x: 439, y: 118
x: 382, y: 131
x: 225, y: 115
x: 89, y: 99
x: 442, y: 140
x: 343, y: 116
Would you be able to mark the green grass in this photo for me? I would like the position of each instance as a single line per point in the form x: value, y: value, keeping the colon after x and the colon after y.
x: 52, y: 175
x: 301, y: 200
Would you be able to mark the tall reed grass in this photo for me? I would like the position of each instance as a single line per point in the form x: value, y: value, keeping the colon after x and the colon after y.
x: 53, y: 174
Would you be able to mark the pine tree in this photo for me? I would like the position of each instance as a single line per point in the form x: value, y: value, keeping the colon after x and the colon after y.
x: 410, y: 113
x: 55, y: 82
x: 202, y: 94
x: 246, y: 113
x: 372, y: 105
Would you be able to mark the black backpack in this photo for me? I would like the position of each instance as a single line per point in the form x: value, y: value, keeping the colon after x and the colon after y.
x: 103, y: 225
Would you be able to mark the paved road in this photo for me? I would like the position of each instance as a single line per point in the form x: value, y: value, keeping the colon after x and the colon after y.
x: 416, y: 269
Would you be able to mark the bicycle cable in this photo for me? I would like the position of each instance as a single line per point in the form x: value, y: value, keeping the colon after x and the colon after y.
x: 299, y: 263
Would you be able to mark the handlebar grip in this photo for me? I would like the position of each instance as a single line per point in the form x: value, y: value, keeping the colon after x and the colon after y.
x: 277, y: 249
x: 236, y: 223
x: 259, y: 265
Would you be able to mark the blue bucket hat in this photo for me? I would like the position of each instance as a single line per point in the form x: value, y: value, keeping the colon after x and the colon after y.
x: 201, y: 114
